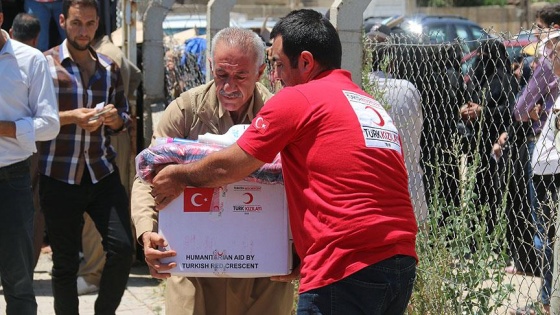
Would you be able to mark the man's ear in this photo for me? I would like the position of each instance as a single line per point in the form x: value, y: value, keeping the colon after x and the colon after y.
x: 211, y: 64
x: 306, y: 61
x: 61, y: 20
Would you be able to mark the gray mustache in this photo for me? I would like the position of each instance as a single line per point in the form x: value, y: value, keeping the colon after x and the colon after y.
x: 232, y: 95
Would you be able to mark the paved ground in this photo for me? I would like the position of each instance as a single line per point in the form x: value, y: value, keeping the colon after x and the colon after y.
x: 143, y: 296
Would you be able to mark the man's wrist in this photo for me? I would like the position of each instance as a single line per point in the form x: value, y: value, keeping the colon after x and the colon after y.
x: 119, y: 126
x: 182, y: 174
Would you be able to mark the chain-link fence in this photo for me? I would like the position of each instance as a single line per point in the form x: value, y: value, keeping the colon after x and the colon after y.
x: 474, y: 128
x: 476, y: 131
x: 184, y: 66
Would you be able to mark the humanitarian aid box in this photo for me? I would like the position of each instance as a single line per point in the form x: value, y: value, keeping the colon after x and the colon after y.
x: 240, y: 230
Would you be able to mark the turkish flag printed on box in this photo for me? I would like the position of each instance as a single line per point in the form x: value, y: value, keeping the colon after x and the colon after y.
x: 197, y: 199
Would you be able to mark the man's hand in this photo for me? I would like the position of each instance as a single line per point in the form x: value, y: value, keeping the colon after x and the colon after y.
x: 81, y: 117
x: 111, y: 117
x: 166, y: 185
x: 152, y: 254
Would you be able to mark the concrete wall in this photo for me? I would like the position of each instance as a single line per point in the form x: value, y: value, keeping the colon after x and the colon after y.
x: 499, y: 18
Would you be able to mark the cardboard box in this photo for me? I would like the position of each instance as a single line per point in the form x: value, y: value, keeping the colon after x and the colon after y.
x: 238, y: 231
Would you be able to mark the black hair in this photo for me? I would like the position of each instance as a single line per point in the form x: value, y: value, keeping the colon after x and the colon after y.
x: 86, y: 3
x: 549, y: 14
x: 308, y: 30
x: 25, y: 27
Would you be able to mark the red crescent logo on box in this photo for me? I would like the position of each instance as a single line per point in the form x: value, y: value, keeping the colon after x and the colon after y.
x: 261, y: 124
x: 197, y: 199
x: 250, y: 199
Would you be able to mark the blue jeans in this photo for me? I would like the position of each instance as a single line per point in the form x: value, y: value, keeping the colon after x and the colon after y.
x: 546, y: 187
x: 382, y: 288
x: 532, y: 195
x: 45, y: 12
x: 106, y: 202
x: 16, y: 239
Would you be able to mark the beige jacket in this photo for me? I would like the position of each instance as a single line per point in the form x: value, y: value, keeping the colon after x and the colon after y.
x: 194, y: 112
x: 131, y: 75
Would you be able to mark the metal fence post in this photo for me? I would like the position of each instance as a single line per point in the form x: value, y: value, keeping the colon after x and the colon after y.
x: 554, y: 295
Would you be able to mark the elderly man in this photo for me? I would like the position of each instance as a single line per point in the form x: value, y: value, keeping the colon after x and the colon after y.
x: 233, y: 97
x: 346, y: 183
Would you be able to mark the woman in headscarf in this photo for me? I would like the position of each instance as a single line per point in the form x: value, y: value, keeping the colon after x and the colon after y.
x: 487, y: 112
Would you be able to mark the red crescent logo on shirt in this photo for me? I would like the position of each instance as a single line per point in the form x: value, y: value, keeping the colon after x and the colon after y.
x: 379, y: 118
x: 261, y: 124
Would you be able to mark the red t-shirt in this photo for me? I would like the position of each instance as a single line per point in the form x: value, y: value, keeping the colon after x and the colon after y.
x: 345, y: 176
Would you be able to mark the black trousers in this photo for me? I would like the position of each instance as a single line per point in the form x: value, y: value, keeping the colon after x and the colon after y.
x: 107, y: 204
x: 521, y: 229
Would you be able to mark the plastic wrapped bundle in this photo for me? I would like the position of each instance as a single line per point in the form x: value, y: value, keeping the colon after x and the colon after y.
x: 190, y: 151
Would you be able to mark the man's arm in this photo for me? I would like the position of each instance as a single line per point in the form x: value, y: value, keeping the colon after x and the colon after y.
x: 144, y: 216
x: 43, y: 102
x: 227, y: 166
x: 43, y: 124
x: 145, y: 220
x: 143, y: 207
x: 536, y: 89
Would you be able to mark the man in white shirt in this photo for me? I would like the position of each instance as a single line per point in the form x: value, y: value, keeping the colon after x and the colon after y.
x: 404, y: 104
x: 28, y: 113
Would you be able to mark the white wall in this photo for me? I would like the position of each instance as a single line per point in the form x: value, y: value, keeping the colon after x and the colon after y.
x: 378, y: 8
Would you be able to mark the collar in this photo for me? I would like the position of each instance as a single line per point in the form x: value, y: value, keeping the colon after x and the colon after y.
x: 65, y: 53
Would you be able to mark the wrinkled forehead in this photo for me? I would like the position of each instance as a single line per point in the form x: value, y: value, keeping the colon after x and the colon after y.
x: 234, y: 56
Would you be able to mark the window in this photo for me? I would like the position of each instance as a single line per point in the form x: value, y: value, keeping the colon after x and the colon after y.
x: 437, y: 33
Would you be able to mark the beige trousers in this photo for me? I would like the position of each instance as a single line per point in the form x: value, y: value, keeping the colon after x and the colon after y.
x: 227, y: 296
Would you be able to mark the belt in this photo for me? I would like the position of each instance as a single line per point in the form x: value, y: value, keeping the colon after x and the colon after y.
x: 22, y: 164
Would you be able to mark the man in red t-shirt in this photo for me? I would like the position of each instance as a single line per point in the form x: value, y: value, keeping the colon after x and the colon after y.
x: 350, y: 210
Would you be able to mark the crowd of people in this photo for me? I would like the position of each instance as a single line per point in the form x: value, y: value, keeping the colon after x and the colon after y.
x: 69, y: 154
x: 501, y: 110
